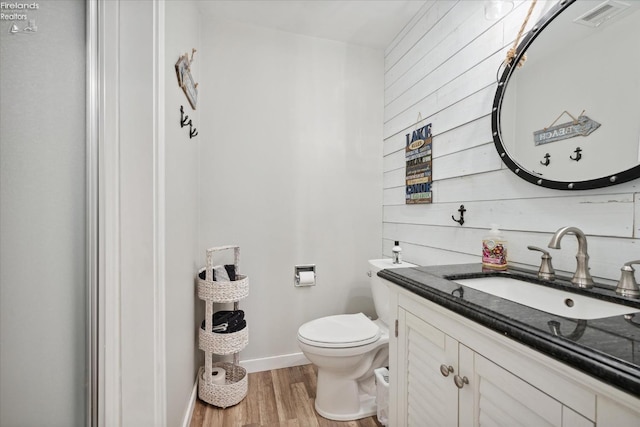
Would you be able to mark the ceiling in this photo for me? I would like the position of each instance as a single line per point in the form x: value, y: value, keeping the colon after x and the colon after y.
x: 372, y: 23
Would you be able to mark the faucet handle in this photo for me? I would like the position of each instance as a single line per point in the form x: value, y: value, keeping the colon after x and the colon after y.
x: 546, y: 271
x: 627, y: 286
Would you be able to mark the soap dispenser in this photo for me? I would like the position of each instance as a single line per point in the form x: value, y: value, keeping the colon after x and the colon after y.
x: 494, y: 250
x: 396, y: 251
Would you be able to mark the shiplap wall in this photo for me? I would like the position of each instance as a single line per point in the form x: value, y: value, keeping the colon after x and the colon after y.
x: 443, y: 66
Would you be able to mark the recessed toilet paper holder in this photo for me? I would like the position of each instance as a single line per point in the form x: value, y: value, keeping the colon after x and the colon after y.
x: 304, y: 279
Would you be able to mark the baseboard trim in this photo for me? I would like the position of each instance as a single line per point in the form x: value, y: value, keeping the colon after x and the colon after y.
x: 275, y: 362
x: 192, y: 403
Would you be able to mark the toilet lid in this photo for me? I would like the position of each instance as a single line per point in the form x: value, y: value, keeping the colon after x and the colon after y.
x: 342, y: 330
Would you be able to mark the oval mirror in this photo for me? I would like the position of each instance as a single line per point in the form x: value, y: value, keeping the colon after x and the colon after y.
x: 569, y: 118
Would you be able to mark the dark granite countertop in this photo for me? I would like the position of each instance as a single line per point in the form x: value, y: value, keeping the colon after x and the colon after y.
x: 608, y: 348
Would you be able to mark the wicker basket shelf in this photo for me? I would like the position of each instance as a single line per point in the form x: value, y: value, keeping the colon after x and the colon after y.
x: 220, y: 291
x: 235, y: 384
x: 224, y: 395
x: 223, y: 343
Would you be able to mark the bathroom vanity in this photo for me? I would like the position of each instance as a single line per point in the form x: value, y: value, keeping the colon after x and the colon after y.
x: 464, y: 357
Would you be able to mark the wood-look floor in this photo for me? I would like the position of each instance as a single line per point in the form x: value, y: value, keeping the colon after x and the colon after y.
x: 278, y: 398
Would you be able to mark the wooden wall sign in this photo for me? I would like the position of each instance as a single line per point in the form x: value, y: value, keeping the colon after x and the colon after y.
x: 582, y: 126
x: 185, y: 79
x: 418, y: 166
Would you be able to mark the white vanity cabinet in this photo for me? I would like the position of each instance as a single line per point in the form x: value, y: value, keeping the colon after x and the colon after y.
x: 499, y: 381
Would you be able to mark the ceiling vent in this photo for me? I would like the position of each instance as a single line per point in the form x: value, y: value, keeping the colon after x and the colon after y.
x: 601, y: 13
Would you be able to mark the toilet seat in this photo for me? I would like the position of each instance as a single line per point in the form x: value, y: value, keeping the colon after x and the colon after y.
x: 339, y: 331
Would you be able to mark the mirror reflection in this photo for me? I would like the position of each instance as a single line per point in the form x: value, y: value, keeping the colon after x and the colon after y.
x: 572, y: 112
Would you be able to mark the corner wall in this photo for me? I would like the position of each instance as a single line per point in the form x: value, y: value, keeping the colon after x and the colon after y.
x: 181, y: 209
x: 444, y: 66
x: 149, y: 225
x: 291, y: 171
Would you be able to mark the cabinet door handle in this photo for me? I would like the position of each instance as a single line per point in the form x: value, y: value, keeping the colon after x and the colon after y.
x: 446, y: 370
x: 460, y: 381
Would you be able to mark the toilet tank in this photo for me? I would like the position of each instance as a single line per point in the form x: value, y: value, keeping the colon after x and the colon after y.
x: 379, y: 287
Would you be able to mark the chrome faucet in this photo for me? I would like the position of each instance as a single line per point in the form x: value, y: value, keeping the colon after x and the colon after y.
x: 546, y: 271
x: 627, y: 285
x: 581, y: 277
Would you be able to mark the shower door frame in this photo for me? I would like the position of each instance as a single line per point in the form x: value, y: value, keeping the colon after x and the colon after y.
x: 92, y: 358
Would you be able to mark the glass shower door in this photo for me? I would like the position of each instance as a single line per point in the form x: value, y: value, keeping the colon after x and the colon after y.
x: 44, y: 285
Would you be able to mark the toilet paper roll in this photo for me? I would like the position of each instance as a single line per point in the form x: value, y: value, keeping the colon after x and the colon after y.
x: 307, y: 278
x: 218, y: 376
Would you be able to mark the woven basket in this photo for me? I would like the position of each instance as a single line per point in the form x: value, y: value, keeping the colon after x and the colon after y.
x: 224, y: 343
x: 224, y: 395
x: 221, y: 291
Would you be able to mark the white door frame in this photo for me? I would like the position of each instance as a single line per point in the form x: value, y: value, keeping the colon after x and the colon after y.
x: 131, y: 364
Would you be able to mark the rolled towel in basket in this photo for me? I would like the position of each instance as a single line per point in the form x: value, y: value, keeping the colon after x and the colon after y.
x: 228, y: 328
x: 223, y: 316
x: 227, y: 321
x: 221, y: 273
x: 234, y: 327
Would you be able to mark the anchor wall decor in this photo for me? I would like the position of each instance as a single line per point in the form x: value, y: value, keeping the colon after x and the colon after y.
x: 186, y: 121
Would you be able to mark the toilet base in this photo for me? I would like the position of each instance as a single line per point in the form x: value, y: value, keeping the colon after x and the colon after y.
x: 343, y: 399
x: 368, y: 408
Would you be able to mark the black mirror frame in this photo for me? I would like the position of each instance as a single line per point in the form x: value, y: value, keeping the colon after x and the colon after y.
x: 618, y: 178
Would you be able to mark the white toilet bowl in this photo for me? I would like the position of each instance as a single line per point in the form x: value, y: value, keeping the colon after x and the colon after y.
x: 345, y: 388
x: 347, y: 348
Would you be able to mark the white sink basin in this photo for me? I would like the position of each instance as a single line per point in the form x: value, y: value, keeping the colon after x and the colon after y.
x: 547, y: 299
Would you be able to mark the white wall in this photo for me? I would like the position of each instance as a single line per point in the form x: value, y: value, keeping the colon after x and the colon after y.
x: 444, y: 66
x: 291, y: 170
x: 43, y: 286
x: 133, y: 234
x: 181, y: 207
x: 138, y: 209
x: 150, y: 210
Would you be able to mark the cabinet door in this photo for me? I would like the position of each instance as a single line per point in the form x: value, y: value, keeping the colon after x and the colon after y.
x: 493, y: 394
x: 426, y: 396
x: 611, y: 413
x: 502, y: 399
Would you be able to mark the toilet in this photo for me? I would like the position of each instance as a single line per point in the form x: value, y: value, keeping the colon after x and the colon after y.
x: 346, y: 349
